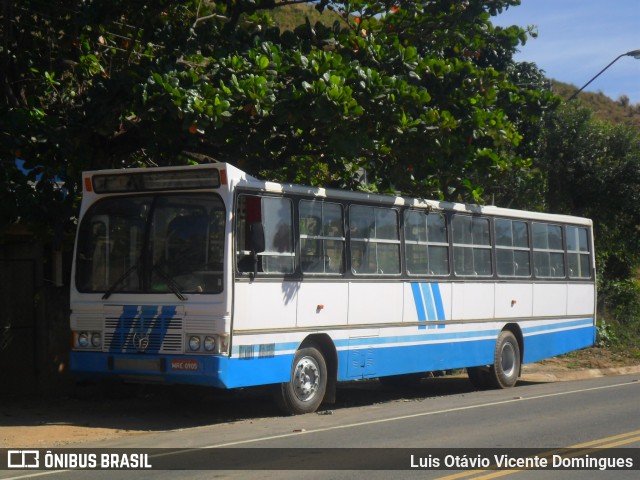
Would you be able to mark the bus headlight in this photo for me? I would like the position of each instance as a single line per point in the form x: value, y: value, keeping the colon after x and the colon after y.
x: 194, y: 343
x: 87, y: 340
x: 206, y: 343
x: 83, y: 339
x: 96, y: 339
x: 209, y: 343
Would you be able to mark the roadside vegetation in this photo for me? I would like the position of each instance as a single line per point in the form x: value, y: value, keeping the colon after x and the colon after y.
x: 425, y: 97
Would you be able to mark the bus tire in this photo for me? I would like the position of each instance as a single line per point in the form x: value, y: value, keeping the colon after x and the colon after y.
x: 305, y: 390
x: 506, y: 366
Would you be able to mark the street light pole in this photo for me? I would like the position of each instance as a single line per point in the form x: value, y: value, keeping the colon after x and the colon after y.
x: 632, y: 53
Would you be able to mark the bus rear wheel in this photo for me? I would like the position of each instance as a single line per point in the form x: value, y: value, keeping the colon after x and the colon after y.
x: 305, y: 390
x: 480, y: 377
x: 506, y: 365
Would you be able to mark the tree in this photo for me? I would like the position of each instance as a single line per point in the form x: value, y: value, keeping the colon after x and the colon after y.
x: 423, y: 96
x: 593, y: 170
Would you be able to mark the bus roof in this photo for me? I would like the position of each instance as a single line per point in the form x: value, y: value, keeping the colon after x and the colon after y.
x: 240, y: 179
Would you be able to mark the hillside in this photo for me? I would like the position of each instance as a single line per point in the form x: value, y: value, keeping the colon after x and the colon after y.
x: 604, y: 108
x: 291, y: 16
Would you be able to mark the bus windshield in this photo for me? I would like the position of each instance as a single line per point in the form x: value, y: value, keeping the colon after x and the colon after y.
x: 164, y: 243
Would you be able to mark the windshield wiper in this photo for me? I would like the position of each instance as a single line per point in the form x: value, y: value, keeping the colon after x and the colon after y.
x: 171, y: 283
x: 117, y: 283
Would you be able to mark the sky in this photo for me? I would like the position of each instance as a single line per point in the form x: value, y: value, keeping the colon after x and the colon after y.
x: 578, y: 38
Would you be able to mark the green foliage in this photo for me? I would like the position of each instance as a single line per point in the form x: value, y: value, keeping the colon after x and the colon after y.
x: 619, y: 306
x: 593, y: 170
x: 423, y: 96
x: 605, y: 335
x: 419, y: 97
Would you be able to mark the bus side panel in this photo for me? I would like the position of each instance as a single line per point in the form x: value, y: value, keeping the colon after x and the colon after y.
x: 431, y: 348
x: 567, y: 336
x: 419, y: 358
x: 322, y: 304
x: 514, y: 300
x: 398, y: 351
x: 550, y: 299
x: 473, y: 301
x: 265, y: 305
x: 580, y: 299
x: 375, y: 303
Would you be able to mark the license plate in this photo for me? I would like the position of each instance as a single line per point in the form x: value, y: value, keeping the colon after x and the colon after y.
x: 184, y: 365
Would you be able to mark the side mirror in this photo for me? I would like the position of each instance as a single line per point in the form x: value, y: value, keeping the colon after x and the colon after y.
x: 256, y: 237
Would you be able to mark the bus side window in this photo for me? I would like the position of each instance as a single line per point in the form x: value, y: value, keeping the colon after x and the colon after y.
x: 548, y: 251
x: 322, y: 241
x: 471, y: 246
x: 277, y: 220
x: 375, y: 240
x: 276, y: 216
x: 578, y: 252
x: 249, y: 214
x: 426, y: 243
x: 512, y: 248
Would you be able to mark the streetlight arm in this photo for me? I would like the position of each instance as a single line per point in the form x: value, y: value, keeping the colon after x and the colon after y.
x: 632, y: 53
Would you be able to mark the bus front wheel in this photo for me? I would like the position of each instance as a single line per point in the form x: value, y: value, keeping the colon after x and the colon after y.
x: 305, y: 390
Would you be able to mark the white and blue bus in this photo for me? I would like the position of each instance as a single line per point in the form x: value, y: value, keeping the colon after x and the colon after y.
x: 205, y: 275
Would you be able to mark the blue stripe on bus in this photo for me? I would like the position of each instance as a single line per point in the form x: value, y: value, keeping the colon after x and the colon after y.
x: 569, y: 324
x: 147, y: 325
x: 142, y: 320
x: 419, y: 303
x: 125, y: 323
x: 435, y: 287
x: 429, y: 338
x: 428, y: 300
x: 233, y: 372
x: 428, y: 303
x: 344, y: 343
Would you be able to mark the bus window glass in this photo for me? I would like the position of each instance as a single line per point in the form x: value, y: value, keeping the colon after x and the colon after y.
x: 520, y: 234
x: 375, y: 240
x: 277, y: 220
x: 110, y: 244
x: 471, y: 246
x: 275, y: 216
x: 512, y: 248
x: 578, y: 252
x: 152, y: 244
x: 548, y: 252
x: 186, y: 240
x: 322, y: 241
x: 426, y: 243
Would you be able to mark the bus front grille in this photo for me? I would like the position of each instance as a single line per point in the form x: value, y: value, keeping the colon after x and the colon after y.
x: 143, y: 335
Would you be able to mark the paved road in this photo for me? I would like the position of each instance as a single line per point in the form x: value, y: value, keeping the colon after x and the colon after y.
x: 602, y: 412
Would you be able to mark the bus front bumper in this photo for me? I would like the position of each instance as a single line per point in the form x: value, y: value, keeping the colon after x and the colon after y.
x: 214, y: 371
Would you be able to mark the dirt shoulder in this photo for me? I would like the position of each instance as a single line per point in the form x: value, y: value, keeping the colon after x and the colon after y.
x: 110, y: 410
